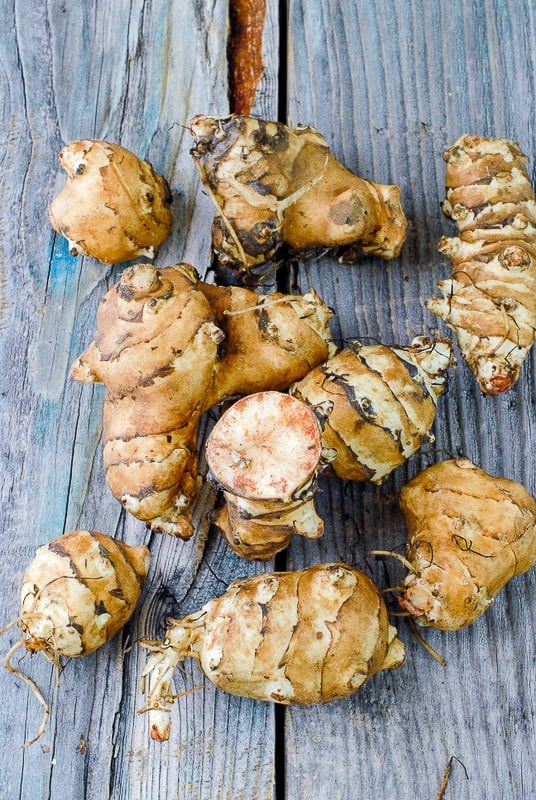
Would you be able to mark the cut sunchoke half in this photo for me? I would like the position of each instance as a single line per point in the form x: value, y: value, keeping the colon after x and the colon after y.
x: 469, y: 533
x: 379, y: 404
x: 265, y: 453
x: 113, y: 205
x: 490, y: 299
x: 79, y: 591
x: 277, y: 188
x: 310, y: 636
x: 168, y: 347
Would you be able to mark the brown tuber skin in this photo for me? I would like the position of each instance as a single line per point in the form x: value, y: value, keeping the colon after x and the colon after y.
x: 304, y: 637
x: 78, y: 592
x: 265, y: 452
x: 468, y: 534
x: 490, y: 300
x: 113, y: 206
x: 274, y: 185
x: 168, y: 347
x: 379, y: 404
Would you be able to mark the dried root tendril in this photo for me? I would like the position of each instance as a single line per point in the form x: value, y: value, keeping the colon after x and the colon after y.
x: 398, y: 556
x: 30, y: 683
x: 446, y: 776
x: 428, y: 647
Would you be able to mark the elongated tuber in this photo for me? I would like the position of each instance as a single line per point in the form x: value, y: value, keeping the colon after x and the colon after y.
x: 380, y: 404
x: 295, y: 637
x: 168, y: 348
x: 490, y: 300
x: 276, y: 186
x: 78, y: 591
x: 469, y: 533
x: 113, y: 206
x: 265, y: 452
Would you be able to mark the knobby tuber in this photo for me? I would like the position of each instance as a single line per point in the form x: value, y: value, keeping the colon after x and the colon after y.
x: 379, y: 404
x: 469, y: 533
x: 295, y: 637
x: 490, y: 300
x: 113, y: 206
x: 78, y: 591
x: 273, y: 185
x: 265, y: 452
x: 169, y: 347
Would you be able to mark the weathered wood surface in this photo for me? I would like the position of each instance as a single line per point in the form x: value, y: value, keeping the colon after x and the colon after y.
x: 390, y: 83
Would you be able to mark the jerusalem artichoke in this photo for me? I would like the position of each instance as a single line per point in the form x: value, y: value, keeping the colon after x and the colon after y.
x: 265, y: 452
x: 490, y: 300
x: 165, y: 361
x: 113, y: 206
x: 78, y: 591
x: 468, y: 534
x: 380, y: 404
x: 310, y: 636
x: 274, y: 185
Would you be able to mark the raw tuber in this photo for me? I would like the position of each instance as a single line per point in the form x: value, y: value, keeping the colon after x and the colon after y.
x: 469, y: 533
x: 113, y: 206
x: 276, y: 186
x: 265, y: 452
x: 78, y: 591
x: 379, y: 404
x: 168, y: 348
x: 310, y: 636
x: 490, y: 300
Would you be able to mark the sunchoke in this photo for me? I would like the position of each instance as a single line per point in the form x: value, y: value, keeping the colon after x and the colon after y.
x: 113, y: 206
x: 490, y: 300
x: 78, y: 591
x: 310, y: 636
x: 264, y: 453
x: 167, y: 348
x: 468, y: 534
x: 274, y: 185
x: 379, y: 404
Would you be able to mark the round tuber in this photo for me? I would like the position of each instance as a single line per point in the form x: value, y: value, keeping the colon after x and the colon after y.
x: 113, y: 206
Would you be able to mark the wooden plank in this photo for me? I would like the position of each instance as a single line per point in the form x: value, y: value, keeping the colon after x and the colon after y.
x: 134, y: 73
x: 391, y: 84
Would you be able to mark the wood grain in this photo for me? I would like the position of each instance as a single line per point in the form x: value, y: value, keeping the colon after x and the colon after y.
x: 390, y: 83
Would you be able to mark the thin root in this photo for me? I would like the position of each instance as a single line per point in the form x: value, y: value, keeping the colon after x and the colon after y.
x: 428, y: 647
x: 446, y: 776
x: 33, y: 686
x: 391, y: 553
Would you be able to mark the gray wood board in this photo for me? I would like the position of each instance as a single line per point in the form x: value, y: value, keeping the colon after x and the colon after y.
x: 390, y: 84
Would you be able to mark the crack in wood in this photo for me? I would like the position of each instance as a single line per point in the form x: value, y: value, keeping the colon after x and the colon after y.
x: 244, y: 52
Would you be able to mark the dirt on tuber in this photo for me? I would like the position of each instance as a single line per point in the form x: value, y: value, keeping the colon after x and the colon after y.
x: 279, y: 190
x: 310, y: 636
x: 379, y: 404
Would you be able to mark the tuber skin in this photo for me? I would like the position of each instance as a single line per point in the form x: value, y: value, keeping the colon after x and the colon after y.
x: 168, y: 348
x: 265, y: 452
x: 79, y: 591
x: 279, y: 188
x: 379, y: 404
x: 113, y: 206
x: 310, y: 636
x: 490, y: 300
x: 469, y: 533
